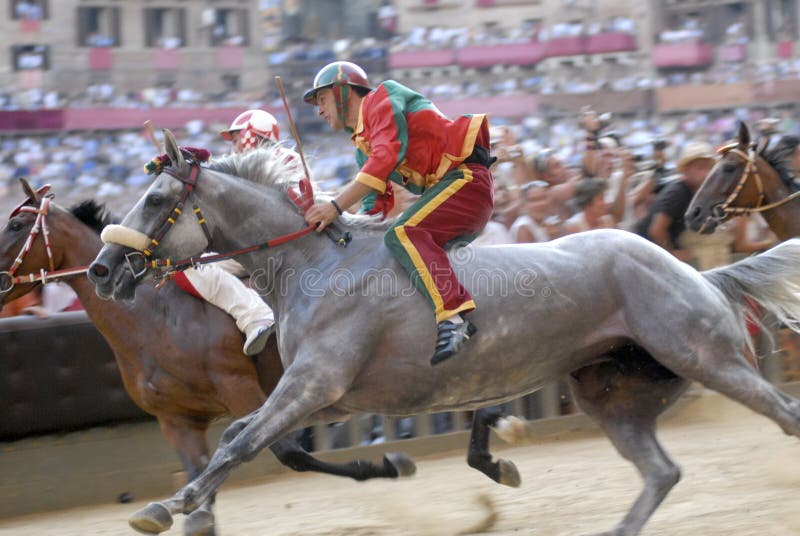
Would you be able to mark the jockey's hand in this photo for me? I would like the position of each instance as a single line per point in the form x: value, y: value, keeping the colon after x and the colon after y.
x: 323, y: 214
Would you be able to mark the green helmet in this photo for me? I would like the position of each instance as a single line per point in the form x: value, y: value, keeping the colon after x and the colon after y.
x: 338, y: 75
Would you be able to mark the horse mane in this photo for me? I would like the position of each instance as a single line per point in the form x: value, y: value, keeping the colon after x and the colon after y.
x: 281, y: 168
x: 779, y: 157
x: 92, y: 214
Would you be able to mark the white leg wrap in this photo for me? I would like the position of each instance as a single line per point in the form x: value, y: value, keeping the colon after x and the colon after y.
x: 123, y: 236
x: 224, y: 290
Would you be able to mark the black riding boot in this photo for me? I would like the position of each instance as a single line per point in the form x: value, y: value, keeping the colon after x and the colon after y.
x: 451, y: 338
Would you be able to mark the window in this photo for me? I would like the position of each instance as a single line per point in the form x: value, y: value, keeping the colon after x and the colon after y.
x: 29, y: 9
x: 98, y: 26
x: 229, y: 27
x: 30, y: 57
x: 230, y: 82
x: 165, y: 27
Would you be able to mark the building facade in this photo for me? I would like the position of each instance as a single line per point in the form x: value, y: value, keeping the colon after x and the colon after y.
x: 67, y: 45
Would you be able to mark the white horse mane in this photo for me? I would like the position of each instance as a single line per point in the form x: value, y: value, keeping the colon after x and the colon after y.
x: 282, y: 168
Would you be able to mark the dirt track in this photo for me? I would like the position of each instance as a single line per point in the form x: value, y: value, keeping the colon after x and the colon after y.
x: 741, y: 477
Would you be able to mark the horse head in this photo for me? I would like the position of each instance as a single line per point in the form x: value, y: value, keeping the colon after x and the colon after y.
x: 227, y: 198
x: 24, y: 243
x: 156, y: 227
x: 739, y: 184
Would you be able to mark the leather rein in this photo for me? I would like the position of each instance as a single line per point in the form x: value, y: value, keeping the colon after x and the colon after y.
x: 165, y: 267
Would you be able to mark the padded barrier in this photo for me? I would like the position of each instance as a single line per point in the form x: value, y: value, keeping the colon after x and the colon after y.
x: 59, y: 375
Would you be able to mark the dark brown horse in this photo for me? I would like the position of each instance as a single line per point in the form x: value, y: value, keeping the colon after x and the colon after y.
x: 180, y: 358
x: 749, y: 179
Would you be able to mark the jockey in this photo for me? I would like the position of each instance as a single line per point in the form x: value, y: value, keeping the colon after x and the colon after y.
x: 401, y: 137
x: 251, y: 129
x: 219, y: 283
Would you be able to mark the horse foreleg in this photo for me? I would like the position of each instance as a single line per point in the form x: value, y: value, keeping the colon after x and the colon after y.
x: 478, y: 457
x: 626, y: 402
x: 188, y: 438
x: 296, y: 397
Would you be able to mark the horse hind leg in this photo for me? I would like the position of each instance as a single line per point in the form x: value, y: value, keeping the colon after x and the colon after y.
x: 738, y: 381
x: 625, y: 396
x: 722, y: 366
x: 292, y: 455
x: 502, y: 471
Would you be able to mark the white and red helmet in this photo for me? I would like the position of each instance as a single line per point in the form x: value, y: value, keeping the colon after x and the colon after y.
x: 252, y: 125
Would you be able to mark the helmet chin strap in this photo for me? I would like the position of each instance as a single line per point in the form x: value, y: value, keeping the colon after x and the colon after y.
x: 341, y: 92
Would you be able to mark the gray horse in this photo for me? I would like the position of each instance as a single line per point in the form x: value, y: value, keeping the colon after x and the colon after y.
x: 629, y: 324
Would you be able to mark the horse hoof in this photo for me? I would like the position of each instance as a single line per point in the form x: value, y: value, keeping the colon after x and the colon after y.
x: 404, y: 465
x: 152, y: 519
x: 509, y: 476
x: 199, y: 523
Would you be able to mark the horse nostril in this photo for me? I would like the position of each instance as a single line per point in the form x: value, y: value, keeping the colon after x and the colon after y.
x: 694, y: 213
x: 98, y: 270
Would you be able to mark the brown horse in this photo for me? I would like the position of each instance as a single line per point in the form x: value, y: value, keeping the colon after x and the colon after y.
x: 749, y: 179
x: 181, y: 359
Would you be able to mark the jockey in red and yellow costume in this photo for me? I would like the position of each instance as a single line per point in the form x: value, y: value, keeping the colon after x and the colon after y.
x: 402, y: 138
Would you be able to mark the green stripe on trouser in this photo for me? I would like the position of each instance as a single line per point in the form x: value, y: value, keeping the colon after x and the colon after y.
x: 395, y: 235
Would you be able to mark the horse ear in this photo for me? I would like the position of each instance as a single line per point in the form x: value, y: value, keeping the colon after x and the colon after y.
x: 744, y: 135
x: 29, y: 191
x: 173, y: 151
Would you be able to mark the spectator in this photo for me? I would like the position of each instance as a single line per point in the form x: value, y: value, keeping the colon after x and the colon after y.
x: 664, y: 222
x: 536, y: 224
x: 547, y: 166
x: 593, y: 213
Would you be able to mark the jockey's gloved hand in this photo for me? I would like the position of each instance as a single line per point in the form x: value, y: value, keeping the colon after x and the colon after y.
x: 154, y: 166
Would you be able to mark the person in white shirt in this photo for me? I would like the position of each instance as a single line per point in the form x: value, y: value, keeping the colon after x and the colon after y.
x: 536, y: 223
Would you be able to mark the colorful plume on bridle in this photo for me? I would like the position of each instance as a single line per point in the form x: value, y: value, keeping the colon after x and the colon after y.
x: 154, y: 166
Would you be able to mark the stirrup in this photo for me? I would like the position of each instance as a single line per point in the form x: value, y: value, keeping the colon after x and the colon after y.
x: 451, y: 338
x: 257, y: 339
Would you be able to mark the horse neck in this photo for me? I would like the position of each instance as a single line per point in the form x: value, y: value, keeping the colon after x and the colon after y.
x: 783, y: 220
x: 79, y: 246
x: 263, y: 213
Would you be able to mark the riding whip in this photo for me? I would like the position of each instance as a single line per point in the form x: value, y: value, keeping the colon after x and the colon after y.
x: 306, y: 190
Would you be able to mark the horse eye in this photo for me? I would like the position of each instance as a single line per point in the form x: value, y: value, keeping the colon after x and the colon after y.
x: 729, y: 168
x: 15, y: 225
x: 154, y: 199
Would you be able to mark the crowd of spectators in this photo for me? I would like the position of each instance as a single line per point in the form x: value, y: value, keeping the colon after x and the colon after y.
x: 553, y: 185
x: 108, y: 165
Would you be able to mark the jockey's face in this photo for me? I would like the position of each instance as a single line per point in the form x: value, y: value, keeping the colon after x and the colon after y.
x: 327, y: 108
x: 236, y: 141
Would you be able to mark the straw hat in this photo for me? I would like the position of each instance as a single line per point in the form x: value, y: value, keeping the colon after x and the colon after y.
x: 695, y: 150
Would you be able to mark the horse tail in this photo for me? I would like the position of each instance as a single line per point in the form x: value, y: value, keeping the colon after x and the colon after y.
x: 771, y: 279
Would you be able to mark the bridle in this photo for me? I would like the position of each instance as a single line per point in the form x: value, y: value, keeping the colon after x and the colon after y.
x: 39, y: 227
x: 724, y: 209
x: 165, y: 267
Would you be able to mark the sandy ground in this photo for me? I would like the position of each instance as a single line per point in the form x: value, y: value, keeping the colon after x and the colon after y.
x: 741, y: 477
